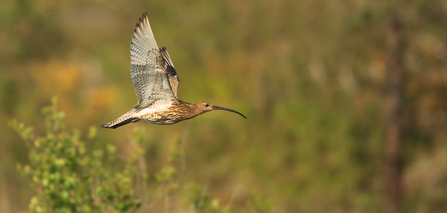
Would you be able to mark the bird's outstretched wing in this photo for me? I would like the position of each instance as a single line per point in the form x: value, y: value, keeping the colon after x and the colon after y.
x: 148, y: 68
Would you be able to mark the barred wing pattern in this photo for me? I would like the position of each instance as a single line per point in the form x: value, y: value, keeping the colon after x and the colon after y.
x: 148, y: 68
x: 172, y: 74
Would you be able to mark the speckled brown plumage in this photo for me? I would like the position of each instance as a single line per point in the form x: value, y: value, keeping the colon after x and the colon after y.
x: 179, y: 111
x: 156, y: 82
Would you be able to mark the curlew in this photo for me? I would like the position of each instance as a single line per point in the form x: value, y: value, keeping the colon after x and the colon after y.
x: 155, y: 82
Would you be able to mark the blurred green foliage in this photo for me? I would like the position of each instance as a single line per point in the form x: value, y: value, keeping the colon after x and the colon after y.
x: 310, y: 75
x: 68, y: 178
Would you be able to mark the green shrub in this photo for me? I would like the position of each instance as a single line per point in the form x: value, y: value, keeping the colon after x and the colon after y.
x: 66, y: 177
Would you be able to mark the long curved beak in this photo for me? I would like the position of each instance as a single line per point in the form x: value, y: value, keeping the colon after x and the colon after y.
x: 229, y: 110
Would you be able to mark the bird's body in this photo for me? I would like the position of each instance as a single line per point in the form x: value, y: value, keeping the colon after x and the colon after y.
x: 155, y: 82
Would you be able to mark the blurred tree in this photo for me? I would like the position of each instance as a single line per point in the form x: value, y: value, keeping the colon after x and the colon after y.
x: 393, y: 147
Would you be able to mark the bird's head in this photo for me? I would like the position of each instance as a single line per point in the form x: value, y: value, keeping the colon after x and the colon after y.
x: 206, y: 107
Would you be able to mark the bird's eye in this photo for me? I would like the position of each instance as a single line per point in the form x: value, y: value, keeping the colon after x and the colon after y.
x: 207, y: 105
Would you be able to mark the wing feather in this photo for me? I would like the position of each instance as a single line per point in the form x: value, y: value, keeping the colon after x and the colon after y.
x: 172, y: 74
x: 148, y: 67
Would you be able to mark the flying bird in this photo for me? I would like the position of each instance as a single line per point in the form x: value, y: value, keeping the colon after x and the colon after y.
x: 155, y: 82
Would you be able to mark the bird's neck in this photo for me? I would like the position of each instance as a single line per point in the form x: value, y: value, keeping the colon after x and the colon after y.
x: 189, y: 110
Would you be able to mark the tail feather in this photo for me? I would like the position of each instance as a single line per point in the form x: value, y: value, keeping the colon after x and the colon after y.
x: 116, y: 125
x: 122, y: 120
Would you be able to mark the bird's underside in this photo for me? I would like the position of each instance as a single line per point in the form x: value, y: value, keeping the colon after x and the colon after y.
x: 155, y: 83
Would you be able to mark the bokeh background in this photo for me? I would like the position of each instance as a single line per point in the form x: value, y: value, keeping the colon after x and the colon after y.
x: 314, y: 78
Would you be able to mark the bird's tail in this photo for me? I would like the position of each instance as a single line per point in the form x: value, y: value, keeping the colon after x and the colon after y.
x: 122, y: 120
